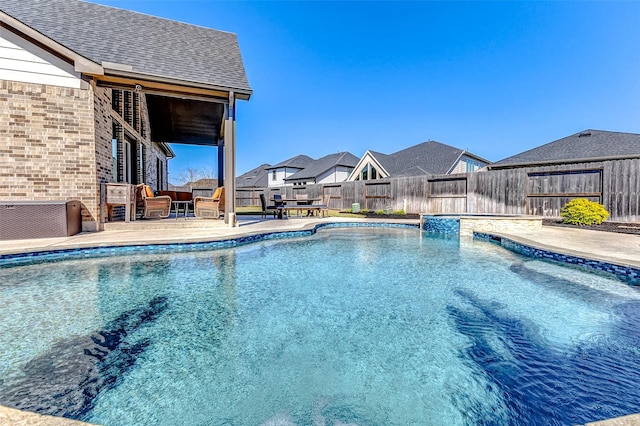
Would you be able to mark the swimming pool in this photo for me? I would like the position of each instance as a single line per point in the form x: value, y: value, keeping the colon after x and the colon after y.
x: 348, y: 326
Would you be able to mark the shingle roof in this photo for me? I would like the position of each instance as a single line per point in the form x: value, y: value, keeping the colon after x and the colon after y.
x: 150, y: 45
x: 298, y: 162
x: 258, y: 177
x: 585, y: 145
x: 321, y: 165
x: 425, y: 158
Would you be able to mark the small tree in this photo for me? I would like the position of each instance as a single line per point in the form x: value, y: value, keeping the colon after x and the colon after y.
x: 583, y: 212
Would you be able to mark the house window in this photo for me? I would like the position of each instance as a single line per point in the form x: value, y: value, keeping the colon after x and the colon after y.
x: 374, y: 173
x: 114, y: 158
x: 116, y: 153
x: 126, y: 161
x: 273, y: 175
x: 141, y: 167
x: 470, y: 165
x: 160, y: 174
x: 365, y: 174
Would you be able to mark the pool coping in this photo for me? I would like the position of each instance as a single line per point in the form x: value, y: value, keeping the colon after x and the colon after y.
x: 626, y: 270
x: 93, y: 249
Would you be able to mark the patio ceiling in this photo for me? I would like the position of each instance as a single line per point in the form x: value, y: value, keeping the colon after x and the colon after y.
x: 185, y: 121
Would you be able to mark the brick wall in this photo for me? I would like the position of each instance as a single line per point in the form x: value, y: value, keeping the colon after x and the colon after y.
x: 47, y: 145
x: 55, y: 144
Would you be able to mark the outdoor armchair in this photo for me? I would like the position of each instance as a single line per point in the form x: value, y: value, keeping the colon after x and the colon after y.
x: 209, y: 207
x: 150, y: 207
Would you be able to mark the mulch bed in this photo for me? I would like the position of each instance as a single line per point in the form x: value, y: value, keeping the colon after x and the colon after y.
x: 619, y: 227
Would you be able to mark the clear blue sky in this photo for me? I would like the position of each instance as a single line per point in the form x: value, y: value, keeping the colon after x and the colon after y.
x: 495, y: 78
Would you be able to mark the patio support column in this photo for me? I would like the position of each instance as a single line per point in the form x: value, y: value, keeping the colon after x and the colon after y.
x: 230, y: 162
x: 221, y: 162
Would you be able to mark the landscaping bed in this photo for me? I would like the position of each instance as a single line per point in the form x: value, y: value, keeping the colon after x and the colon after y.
x: 619, y: 227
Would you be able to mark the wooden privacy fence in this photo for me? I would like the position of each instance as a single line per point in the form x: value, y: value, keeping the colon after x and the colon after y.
x: 541, y: 190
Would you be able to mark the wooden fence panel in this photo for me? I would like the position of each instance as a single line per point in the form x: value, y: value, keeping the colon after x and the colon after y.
x: 621, y: 182
x: 246, y: 197
x: 447, y: 194
x: 376, y: 194
x: 408, y: 194
x: 541, y: 190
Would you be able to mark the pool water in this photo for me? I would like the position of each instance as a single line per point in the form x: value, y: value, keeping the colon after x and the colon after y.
x: 347, y: 327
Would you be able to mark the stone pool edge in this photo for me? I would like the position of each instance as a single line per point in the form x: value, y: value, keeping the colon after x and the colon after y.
x: 626, y: 271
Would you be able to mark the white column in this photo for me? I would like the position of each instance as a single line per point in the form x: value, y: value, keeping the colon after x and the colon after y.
x: 230, y: 162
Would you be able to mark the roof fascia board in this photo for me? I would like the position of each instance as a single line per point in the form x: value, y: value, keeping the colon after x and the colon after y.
x: 566, y: 161
x: 455, y: 163
x: 476, y: 157
x: 80, y: 63
x: 375, y: 160
x: 164, y: 89
x: 124, y: 71
x: 167, y: 149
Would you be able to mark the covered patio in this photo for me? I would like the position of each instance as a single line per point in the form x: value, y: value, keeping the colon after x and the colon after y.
x: 128, y: 84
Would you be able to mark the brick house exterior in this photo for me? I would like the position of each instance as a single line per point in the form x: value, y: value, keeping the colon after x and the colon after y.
x: 73, y: 116
x: 56, y: 143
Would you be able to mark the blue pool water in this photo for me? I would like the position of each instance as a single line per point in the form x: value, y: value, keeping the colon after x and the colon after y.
x: 346, y: 327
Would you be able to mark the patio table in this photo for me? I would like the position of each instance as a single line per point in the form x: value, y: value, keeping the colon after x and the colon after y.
x: 299, y: 203
x: 185, y: 207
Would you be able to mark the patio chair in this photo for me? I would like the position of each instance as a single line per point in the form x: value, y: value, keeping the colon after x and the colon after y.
x: 209, y: 207
x: 150, y: 207
x: 267, y: 209
x: 324, y: 207
x: 279, y: 205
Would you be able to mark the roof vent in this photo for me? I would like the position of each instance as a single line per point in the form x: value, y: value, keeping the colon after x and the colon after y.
x: 584, y: 134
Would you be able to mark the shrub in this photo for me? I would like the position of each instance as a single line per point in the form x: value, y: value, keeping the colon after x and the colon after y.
x: 379, y: 212
x: 583, y: 212
x: 399, y: 212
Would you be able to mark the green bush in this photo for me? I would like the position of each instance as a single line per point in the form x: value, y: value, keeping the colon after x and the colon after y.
x: 399, y: 212
x: 379, y: 212
x: 583, y: 212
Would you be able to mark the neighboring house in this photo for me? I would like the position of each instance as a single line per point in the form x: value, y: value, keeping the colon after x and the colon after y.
x: 586, y: 146
x: 331, y: 168
x: 598, y: 165
x: 256, y: 178
x: 427, y: 158
x: 93, y: 94
x: 279, y: 172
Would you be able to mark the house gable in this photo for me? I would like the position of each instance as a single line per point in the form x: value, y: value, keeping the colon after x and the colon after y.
x: 367, y: 162
x: 23, y: 61
x: 330, y: 168
x: 468, y: 164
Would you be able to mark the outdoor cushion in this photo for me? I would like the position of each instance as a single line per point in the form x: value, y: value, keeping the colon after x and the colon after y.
x: 148, y: 191
x: 216, y: 194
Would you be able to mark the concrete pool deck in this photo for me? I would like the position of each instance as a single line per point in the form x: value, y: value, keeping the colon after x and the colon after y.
x: 620, y: 249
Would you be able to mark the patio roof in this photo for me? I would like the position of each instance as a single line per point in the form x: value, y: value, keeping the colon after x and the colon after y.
x: 186, y: 71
